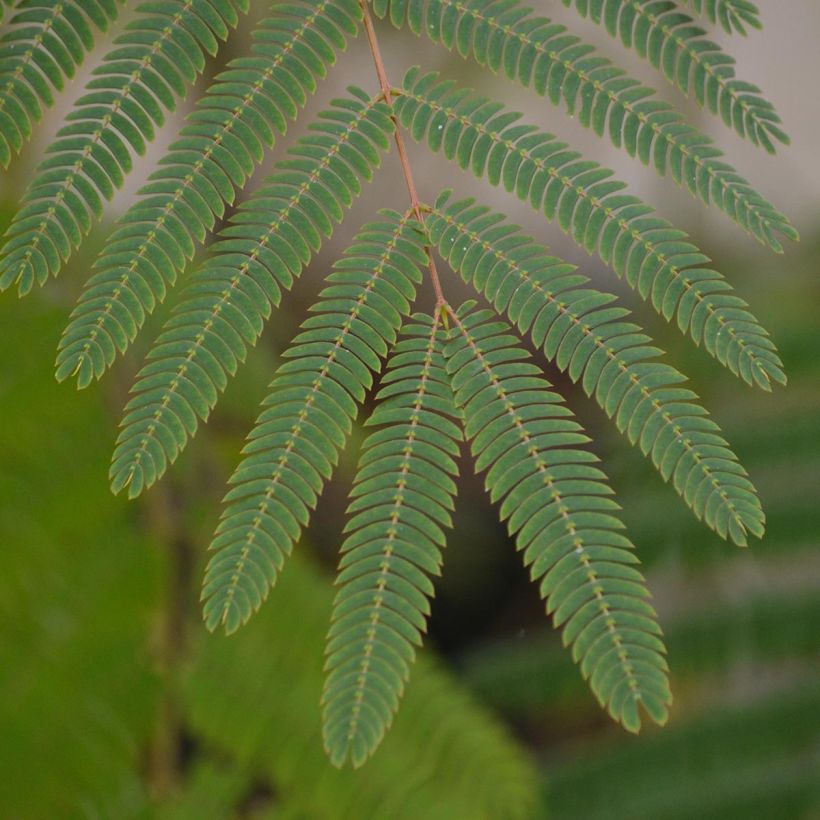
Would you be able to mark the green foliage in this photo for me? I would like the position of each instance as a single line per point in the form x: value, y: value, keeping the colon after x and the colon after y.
x: 541, y: 55
x: 613, y: 359
x: 84, y: 690
x: 252, y: 698
x: 309, y: 414
x: 45, y: 44
x: 740, y: 628
x: 728, y: 765
x: 675, y: 45
x: 520, y: 678
x: 156, y: 59
x: 733, y: 15
x: 655, y: 258
x: 216, y: 154
x: 402, y: 498
x: 223, y: 308
x: 556, y: 504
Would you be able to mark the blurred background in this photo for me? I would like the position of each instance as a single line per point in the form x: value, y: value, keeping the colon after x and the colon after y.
x: 115, y: 702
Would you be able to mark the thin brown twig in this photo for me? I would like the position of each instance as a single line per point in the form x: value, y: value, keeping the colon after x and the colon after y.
x: 387, y: 93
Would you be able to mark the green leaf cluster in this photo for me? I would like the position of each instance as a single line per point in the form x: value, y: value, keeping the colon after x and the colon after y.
x: 453, y: 372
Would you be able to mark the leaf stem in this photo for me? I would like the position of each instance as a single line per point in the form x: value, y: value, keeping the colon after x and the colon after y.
x: 387, y: 93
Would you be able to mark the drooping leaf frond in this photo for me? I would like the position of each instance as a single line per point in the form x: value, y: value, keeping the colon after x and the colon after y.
x: 557, y: 506
x: 733, y: 15
x: 402, y: 498
x: 730, y: 761
x: 473, y: 126
x: 216, y: 153
x: 655, y: 258
x: 770, y: 628
x: 224, y: 308
x: 44, y: 45
x: 616, y: 362
x: 308, y: 416
x: 675, y: 45
x: 541, y: 55
x: 160, y: 54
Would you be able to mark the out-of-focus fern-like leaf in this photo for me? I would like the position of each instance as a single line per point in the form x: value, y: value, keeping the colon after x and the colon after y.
x: 558, y: 508
x: 733, y: 15
x: 675, y: 45
x: 614, y: 360
x: 216, y: 153
x: 444, y: 758
x: 309, y: 413
x: 735, y: 762
x: 525, y: 677
x: 160, y: 54
x: 402, y: 498
x: 654, y: 258
x: 224, y: 308
x: 44, y: 45
x: 541, y: 55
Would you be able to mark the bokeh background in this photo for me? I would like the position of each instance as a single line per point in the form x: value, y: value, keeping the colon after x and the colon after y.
x: 115, y: 702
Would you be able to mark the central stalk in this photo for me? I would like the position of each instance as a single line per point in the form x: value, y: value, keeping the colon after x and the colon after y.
x: 386, y: 89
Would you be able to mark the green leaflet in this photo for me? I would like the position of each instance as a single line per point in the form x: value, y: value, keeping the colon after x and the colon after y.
x: 308, y: 415
x: 733, y: 15
x: 579, y: 328
x: 655, y: 258
x: 402, y: 498
x: 542, y: 55
x: 225, y: 306
x: 160, y: 54
x: 217, y: 151
x: 557, y: 506
x: 44, y: 45
x: 675, y: 45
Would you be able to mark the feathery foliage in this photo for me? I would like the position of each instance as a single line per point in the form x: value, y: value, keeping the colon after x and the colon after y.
x: 45, y: 44
x: 88, y: 695
x: 733, y: 15
x: 579, y: 329
x: 453, y: 373
x: 309, y: 414
x: 655, y: 258
x: 224, y: 307
x: 402, y: 498
x: 156, y: 59
x: 674, y: 44
x: 541, y: 55
x: 556, y: 505
x: 468, y: 764
x: 216, y: 153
